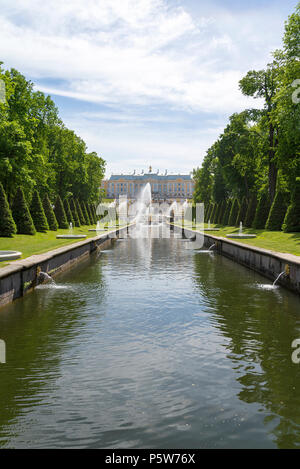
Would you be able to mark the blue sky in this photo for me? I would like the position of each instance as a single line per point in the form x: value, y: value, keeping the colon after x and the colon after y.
x: 143, y: 81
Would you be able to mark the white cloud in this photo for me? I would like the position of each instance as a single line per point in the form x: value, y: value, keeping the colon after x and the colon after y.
x: 139, y: 52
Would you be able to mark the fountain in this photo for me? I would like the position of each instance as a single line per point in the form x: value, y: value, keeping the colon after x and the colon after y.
x: 9, y: 255
x: 70, y: 235
x: 240, y: 234
x: 279, y: 276
x: 43, y: 277
x: 209, y: 228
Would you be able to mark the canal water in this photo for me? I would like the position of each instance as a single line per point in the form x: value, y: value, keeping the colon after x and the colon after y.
x: 151, y: 344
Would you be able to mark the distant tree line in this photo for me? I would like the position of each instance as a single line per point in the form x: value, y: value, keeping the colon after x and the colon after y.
x: 252, y: 172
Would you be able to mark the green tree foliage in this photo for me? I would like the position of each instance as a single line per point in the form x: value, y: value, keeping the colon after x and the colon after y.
x: 262, y: 211
x: 60, y: 214
x: 7, y: 224
x: 50, y: 215
x: 73, y: 207
x: 221, y: 212
x: 85, y: 213
x: 68, y: 212
x: 37, y: 150
x: 235, y: 208
x: 38, y: 214
x: 91, y: 215
x: 250, y: 214
x: 21, y: 214
x: 278, y: 211
x: 292, y: 219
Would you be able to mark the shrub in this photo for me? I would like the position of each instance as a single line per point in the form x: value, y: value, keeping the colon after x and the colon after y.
x: 292, y: 219
x: 38, y: 214
x: 242, y: 212
x: 7, y: 225
x: 50, y: 215
x: 21, y: 214
x: 68, y: 212
x: 234, y: 212
x: 60, y: 214
x: 251, y: 211
x: 92, y: 219
x: 278, y: 211
x: 262, y: 212
x: 80, y: 214
x: 74, y: 212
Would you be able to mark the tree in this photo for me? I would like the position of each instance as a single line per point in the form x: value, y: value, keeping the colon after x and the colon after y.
x: 85, y: 213
x: 292, y: 219
x: 278, y: 211
x: 262, y: 211
x: 50, y: 215
x: 38, y: 214
x: 21, y: 214
x: 7, y: 224
x: 265, y: 84
x: 80, y: 214
x: 60, y: 214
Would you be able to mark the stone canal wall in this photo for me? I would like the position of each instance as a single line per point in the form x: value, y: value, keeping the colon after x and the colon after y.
x: 21, y: 276
x: 268, y: 263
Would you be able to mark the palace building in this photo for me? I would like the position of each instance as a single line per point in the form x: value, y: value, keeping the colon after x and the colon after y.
x: 163, y: 186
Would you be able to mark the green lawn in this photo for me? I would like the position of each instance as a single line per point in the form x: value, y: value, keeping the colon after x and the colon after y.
x: 272, y: 240
x: 43, y: 242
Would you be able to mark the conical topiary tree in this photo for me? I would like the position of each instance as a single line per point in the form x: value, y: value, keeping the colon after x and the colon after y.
x: 251, y: 211
x: 80, y: 214
x: 242, y: 212
x: 75, y: 216
x: 262, y: 212
x: 227, y: 213
x: 21, y: 214
x: 50, y: 215
x: 291, y: 222
x: 221, y: 212
x: 212, y: 213
x: 68, y: 212
x: 234, y: 212
x: 278, y: 211
x: 38, y: 214
x: 90, y: 214
x: 60, y: 214
x: 7, y: 225
x: 85, y: 213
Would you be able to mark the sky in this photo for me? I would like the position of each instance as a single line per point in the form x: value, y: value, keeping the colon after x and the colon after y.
x: 143, y: 82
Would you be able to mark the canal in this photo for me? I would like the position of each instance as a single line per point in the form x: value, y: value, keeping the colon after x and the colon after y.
x: 151, y: 345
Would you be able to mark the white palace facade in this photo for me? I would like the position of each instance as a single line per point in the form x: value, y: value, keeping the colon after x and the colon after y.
x: 163, y: 186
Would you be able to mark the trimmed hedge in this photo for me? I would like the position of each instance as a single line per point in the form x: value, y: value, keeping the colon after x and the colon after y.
x: 50, y: 215
x: 234, y: 212
x: 251, y: 211
x: 21, y: 214
x: 291, y: 222
x: 262, y: 212
x: 90, y: 214
x: 278, y: 211
x: 221, y: 212
x: 38, y: 214
x: 212, y: 213
x: 85, y: 213
x: 7, y: 225
x: 242, y: 212
x: 60, y: 214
